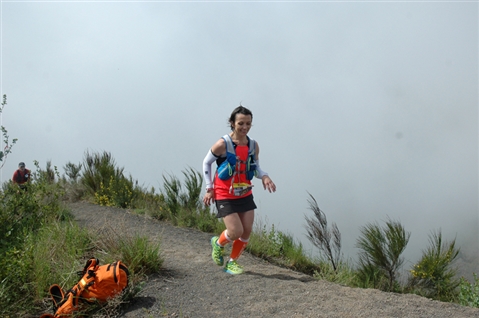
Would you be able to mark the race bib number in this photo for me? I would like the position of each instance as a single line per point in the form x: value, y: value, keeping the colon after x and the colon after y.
x: 240, y: 189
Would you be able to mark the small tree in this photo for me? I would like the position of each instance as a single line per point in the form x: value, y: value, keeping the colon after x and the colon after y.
x: 173, y: 195
x: 99, y: 169
x: 433, y: 276
x: 8, y: 146
x: 193, y: 182
x: 381, y: 250
x: 72, y: 171
x: 327, y: 240
x: 47, y: 175
x: 183, y: 205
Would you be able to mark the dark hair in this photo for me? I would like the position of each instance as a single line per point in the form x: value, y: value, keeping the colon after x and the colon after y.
x: 239, y: 110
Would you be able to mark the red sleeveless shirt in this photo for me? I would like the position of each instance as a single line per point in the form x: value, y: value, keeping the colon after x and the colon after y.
x: 223, y: 190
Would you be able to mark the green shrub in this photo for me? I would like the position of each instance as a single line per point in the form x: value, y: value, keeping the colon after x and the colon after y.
x: 469, y: 292
x: 265, y: 243
x: 185, y: 208
x: 343, y: 274
x: 381, y: 253
x: 176, y: 199
x: 193, y: 184
x: 279, y: 248
x: 105, y: 182
x: 433, y: 276
x: 173, y: 196
x: 117, y: 192
x: 150, y: 202
x: 15, y: 277
x: 141, y: 254
x: 23, y: 215
x: 98, y: 170
x: 56, y: 250
x: 24, y: 211
x: 20, y: 213
x: 369, y: 275
x: 295, y: 257
x: 208, y: 222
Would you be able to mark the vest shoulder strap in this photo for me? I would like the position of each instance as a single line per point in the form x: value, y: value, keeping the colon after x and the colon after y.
x: 230, y: 148
x: 251, y: 147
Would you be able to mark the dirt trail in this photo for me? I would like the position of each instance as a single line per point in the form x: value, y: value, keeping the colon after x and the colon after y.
x: 191, y: 285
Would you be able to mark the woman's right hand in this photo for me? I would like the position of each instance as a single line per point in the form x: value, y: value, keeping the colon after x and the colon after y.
x: 209, y: 197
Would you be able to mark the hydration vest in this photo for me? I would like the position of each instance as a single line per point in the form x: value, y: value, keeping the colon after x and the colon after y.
x: 229, y: 165
x: 22, y: 178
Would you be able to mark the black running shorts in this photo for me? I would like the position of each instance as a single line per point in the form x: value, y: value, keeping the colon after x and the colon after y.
x: 226, y: 207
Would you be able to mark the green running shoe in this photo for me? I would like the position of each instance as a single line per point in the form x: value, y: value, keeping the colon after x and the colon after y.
x: 217, y: 253
x: 233, y: 268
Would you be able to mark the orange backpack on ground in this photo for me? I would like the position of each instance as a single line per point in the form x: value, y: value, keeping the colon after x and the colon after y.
x: 98, y: 283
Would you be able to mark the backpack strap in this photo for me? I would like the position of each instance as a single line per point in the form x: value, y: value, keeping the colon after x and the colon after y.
x: 92, y: 262
x: 230, y: 148
x: 251, y: 147
x: 19, y: 178
x: 57, y: 294
x: 88, y: 274
x: 125, y: 269
x: 69, y: 303
x: 117, y: 266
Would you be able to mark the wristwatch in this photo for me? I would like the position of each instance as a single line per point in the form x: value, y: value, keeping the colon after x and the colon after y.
x: 209, y: 189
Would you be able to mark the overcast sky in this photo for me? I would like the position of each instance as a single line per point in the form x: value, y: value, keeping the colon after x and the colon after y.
x: 372, y: 107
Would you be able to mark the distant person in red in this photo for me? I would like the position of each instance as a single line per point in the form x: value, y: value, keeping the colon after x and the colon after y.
x: 21, y: 176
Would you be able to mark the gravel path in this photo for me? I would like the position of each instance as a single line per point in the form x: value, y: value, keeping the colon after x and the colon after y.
x: 191, y: 285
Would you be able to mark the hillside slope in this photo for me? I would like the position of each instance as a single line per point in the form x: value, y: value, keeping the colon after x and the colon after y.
x: 191, y: 285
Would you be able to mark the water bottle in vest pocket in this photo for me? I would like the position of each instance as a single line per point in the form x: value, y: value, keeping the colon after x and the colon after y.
x: 227, y: 168
x: 250, y: 168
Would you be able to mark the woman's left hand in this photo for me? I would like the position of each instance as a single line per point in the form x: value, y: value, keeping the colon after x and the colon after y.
x: 268, y: 184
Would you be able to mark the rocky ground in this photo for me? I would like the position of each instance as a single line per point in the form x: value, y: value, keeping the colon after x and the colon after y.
x: 191, y: 285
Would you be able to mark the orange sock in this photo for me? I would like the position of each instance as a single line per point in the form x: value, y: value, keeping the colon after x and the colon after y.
x: 224, y: 239
x: 238, y: 247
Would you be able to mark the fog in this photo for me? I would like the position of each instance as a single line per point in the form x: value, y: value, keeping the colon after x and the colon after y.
x: 372, y: 107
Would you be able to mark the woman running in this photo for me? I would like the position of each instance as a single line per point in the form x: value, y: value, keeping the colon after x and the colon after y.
x: 237, y: 160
